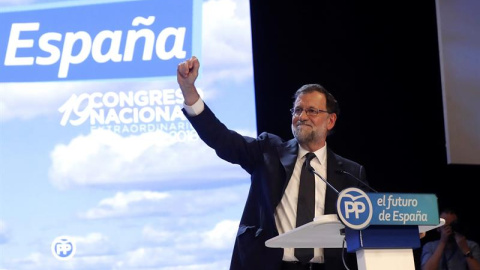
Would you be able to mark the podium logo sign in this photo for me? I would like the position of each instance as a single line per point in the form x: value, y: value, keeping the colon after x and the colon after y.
x: 357, y: 209
x: 404, y: 209
x: 354, y: 208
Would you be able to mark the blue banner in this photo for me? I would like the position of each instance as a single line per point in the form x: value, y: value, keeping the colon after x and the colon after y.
x: 358, y: 210
x: 404, y: 209
x: 130, y: 39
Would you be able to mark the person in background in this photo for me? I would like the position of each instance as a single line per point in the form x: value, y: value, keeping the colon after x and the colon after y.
x: 453, y: 251
x: 275, y: 165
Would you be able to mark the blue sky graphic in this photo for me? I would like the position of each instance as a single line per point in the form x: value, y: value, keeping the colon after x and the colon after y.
x: 143, y: 200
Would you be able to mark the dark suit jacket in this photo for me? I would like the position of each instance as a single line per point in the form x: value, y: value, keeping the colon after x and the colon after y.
x: 270, y: 161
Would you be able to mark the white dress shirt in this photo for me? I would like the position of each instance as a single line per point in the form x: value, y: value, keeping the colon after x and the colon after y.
x: 286, y: 211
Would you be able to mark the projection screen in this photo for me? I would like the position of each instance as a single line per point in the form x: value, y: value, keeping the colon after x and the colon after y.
x: 99, y: 167
x: 459, y: 43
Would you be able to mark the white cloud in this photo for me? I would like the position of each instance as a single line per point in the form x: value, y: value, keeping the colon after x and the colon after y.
x: 191, y: 249
x: 186, y: 203
x: 15, y: 2
x: 226, y: 29
x: 104, y: 158
x: 4, y: 232
x: 151, y: 234
x: 26, y: 101
x: 93, y: 244
x: 155, y: 258
x: 37, y: 260
x: 29, y: 262
x: 93, y: 251
x: 217, y: 265
x: 222, y: 236
x: 132, y: 203
x: 121, y: 200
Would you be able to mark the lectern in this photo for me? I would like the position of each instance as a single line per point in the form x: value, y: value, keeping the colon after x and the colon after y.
x: 377, y: 247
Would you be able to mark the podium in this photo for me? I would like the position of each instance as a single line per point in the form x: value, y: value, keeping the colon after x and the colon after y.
x: 377, y: 247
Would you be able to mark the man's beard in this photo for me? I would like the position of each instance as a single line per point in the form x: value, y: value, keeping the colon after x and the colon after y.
x: 302, y: 136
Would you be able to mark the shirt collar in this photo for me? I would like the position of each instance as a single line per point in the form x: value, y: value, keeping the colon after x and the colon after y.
x: 321, y: 153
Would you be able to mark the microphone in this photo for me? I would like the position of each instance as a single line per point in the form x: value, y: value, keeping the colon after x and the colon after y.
x: 311, y: 169
x: 356, y: 178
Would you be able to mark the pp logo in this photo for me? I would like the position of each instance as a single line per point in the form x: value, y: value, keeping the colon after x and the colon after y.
x: 63, y: 248
x: 354, y: 208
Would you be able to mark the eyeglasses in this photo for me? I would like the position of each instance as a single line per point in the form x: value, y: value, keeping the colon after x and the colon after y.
x: 309, y: 111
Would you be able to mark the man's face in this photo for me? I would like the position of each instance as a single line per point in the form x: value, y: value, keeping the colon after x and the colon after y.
x: 312, y: 129
x: 449, y: 217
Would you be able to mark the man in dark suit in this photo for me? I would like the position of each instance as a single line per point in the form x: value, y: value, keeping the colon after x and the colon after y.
x: 274, y: 165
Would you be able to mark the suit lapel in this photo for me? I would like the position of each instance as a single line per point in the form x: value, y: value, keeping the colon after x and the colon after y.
x: 333, y: 165
x: 288, y: 152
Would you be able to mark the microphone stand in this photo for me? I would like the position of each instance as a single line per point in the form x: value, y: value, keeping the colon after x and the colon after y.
x: 323, y: 179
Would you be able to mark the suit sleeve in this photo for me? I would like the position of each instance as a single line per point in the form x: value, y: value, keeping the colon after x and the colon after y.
x: 228, y: 144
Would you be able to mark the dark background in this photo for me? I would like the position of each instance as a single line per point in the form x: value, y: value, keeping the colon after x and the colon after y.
x: 381, y: 62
